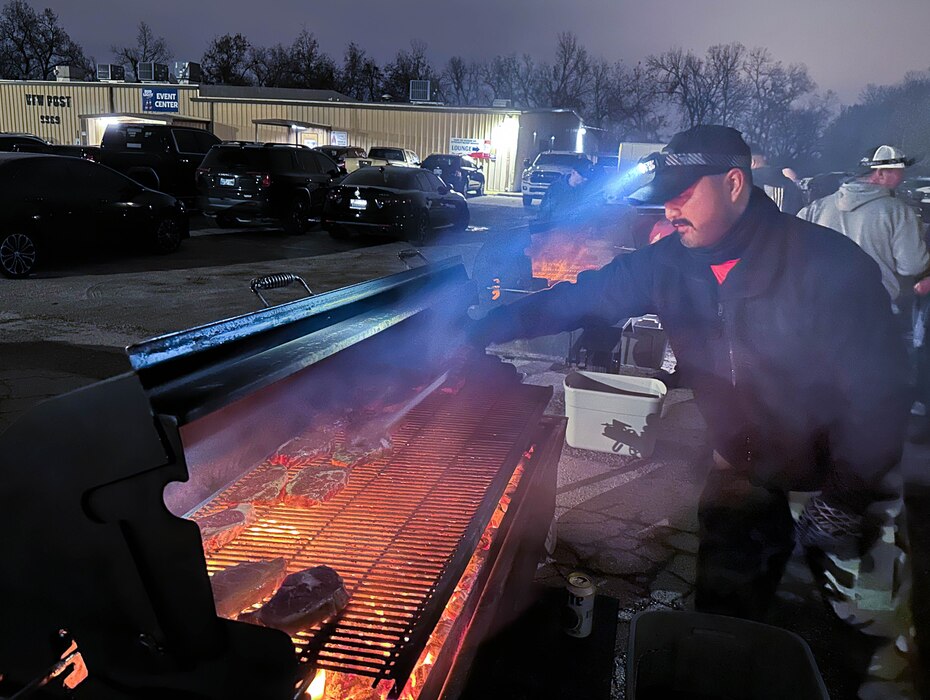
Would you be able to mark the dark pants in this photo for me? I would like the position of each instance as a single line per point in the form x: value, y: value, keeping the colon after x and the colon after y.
x: 746, y: 539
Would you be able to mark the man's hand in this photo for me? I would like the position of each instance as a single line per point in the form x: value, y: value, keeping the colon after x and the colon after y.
x: 922, y: 288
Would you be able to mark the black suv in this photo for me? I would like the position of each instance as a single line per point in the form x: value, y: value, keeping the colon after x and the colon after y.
x: 284, y: 183
x: 461, y: 173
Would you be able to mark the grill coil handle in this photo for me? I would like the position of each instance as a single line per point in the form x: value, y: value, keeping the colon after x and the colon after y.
x: 277, y: 280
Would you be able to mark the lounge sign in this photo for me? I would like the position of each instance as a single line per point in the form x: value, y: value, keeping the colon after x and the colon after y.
x: 159, y: 100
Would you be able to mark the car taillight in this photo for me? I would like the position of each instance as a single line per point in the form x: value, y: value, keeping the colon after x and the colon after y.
x: 265, y: 181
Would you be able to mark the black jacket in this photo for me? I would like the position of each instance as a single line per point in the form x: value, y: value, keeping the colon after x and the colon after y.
x: 779, y: 188
x: 794, y: 359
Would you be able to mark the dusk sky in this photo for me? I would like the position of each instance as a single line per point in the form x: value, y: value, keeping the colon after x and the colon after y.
x: 846, y: 44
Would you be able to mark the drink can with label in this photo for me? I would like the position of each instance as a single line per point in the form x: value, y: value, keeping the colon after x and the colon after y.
x: 580, y: 609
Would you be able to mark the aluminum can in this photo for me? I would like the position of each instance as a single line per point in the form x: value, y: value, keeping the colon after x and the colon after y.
x: 580, y: 606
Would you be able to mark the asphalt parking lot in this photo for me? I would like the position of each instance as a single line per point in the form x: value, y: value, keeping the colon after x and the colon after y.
x: 68, y: 324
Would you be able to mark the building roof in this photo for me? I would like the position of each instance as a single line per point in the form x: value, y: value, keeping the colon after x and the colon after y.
x: 272, y: 93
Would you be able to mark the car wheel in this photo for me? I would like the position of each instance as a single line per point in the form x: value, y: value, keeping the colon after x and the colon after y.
x: 296, y: 223
x: 479, y: 190
x: 463, y: 188
x: 168, y: 234
x: 418, y: 231
x: 527, y: 201
x: 19, y: 254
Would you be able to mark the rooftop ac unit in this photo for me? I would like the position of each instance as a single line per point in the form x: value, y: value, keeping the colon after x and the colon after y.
x: 501, y: 103
x: 419, y: 91
x: 153, y: 72
x: 64, y: 74
x: 187, y: 72
x: 111, y: 73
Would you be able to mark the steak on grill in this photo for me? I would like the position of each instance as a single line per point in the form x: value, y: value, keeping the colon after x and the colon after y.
x: 361, y: 451
x: 304, y: 599
x: 243, y: 585
x: 220, y: 528
x: 303, y: 449
x: 262, y: 486
x: 313, y: 485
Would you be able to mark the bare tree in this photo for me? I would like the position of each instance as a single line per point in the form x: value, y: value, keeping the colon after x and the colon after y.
x: 406, y: 66
x: 462, y: 82
x: 308, y: 66
x: 500, y: 77
x: 724, y: 80
x: 637, y: 105
x: 226, y: 60
x: 773, y: 89
x: 33, y: 43
x: 565, y: 82
x: 148, y: 48
x: 360, y: 76
x: 680, y: 75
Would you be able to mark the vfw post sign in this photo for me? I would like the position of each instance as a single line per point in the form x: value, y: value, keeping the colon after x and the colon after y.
x: 159, y: 100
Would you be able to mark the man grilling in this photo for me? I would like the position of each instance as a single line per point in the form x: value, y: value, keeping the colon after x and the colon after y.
x: 785, y: 333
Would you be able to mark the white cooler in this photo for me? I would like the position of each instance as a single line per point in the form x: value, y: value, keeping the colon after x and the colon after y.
x: 612, y: 413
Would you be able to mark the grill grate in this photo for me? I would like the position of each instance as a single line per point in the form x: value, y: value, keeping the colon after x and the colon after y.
x: 402, y: 530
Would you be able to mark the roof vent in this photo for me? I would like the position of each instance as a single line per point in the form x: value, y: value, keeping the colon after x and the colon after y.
x: 65, y: 74
x: 419, y: 91
x: 111, y: 73
x: 153, y: 72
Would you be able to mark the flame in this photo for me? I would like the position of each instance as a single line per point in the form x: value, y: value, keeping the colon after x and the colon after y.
x: 558, y: 256
x: 317, y: 689
x: 78, y: 672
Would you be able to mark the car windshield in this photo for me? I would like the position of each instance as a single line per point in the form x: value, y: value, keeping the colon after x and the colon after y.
x: 376, y: 177
x: 440, y: 162
x: 387, y: 153
x: 565, y: 160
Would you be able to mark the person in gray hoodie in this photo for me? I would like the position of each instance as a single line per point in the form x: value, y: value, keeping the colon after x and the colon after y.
x: 866, y: 210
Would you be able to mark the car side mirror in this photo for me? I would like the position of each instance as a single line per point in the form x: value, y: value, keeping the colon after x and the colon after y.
x: 526, y: 163
x: 443, y: 189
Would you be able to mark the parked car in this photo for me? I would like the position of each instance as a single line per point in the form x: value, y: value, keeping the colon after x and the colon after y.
x: 394, y: 201
x: 158, y: 156
x: 395, y: 156
x: 349, y: 158
x: 271, y: 182
x: 460, y: 172
x: 51, y: 204
x: 916, y: 191
x: 8, y: 141
x: 548, y: 167
x: 86, y: 152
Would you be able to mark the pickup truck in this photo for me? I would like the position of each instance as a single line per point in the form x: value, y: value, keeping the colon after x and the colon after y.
x: 158, y: 156
x: 394, y: 156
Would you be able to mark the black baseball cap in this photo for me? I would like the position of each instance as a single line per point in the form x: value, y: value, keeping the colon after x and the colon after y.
x: 689, y: 156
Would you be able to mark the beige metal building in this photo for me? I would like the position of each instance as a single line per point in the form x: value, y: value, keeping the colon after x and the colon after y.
x: 78, y: 113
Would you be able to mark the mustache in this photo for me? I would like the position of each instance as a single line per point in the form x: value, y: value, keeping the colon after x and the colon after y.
x: 681, y: 222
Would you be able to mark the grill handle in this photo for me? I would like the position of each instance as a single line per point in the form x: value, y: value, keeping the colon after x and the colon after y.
x: 276, y: 281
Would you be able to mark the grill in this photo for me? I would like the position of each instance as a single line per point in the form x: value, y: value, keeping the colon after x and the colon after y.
x: 115, y: 472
